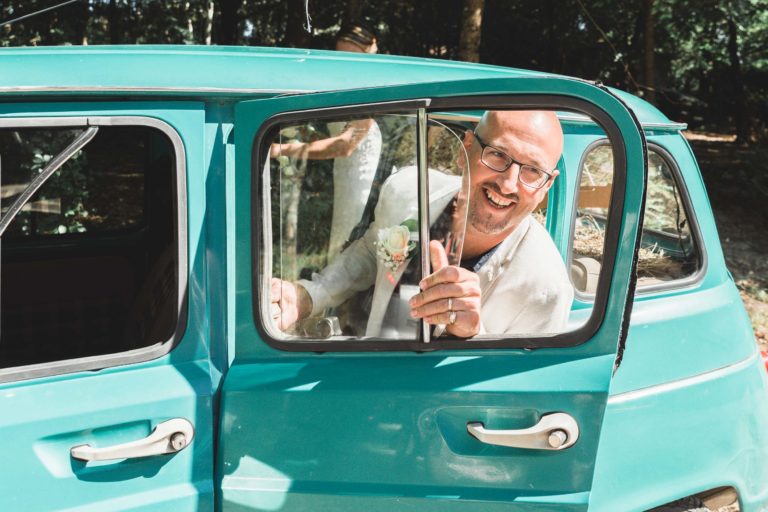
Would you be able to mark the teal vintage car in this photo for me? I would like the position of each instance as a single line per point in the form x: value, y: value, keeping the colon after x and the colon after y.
x: 152, y: 195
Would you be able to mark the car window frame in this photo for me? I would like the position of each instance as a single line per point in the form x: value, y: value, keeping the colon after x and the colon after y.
x: 644, y: 290
x: 156, y: 350
x: 554, y: 102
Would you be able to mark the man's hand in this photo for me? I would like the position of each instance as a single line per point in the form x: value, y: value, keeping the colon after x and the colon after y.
x: 449, y: 293
x: 289, y: 303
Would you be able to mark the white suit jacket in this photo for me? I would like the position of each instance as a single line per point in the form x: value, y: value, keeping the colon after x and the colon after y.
x: 525, y: 288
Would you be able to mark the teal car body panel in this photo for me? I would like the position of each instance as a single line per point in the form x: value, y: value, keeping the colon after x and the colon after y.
x: 341, y: 417
x: 276, y: 430
x: 43, y: 418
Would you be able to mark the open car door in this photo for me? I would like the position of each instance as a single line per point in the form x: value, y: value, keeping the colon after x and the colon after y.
x: 360, y: 407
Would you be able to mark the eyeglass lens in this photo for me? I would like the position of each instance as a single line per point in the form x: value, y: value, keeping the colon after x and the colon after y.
x: 499, y: 161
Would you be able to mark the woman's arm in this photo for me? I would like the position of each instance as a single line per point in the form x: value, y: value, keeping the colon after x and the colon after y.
x: 341, y: 145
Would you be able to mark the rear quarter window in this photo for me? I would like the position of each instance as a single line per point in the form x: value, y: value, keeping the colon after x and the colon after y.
x: 669, y: 251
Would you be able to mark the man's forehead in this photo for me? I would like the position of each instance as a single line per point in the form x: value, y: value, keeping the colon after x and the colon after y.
x: 535, y: 121
x: 508, y: 130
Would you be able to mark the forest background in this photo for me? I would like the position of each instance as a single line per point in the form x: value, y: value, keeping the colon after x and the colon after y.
x: 702, y: 62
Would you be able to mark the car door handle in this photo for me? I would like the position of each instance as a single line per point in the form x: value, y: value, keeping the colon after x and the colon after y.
x: 168, y: 437
x: 556, y: 431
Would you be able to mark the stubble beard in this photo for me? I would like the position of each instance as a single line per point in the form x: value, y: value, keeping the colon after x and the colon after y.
x: 486, y: 222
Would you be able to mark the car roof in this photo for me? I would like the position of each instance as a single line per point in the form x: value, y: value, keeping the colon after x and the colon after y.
x: 210, y: 71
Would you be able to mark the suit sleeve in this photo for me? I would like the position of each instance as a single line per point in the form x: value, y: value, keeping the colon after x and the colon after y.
x: 353, y: 270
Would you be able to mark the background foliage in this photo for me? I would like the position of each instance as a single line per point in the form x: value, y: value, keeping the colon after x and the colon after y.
x: 704, y: 62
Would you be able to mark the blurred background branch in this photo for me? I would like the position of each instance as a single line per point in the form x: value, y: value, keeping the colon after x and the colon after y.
x: 703, y: 62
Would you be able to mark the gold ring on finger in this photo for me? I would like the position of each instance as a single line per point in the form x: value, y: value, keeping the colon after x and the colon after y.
x: 452, y: 318
x: 450, y: 304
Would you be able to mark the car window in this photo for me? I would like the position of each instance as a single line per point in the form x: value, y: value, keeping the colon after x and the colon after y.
x: 344, y: 221
x: 342, y: 251
x: 668, y: 250
x: 90, y: 261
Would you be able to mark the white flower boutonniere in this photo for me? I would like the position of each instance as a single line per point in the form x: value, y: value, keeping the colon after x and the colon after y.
x: 394, y: 244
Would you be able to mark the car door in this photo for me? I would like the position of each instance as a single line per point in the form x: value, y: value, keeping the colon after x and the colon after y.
x: 105, y: 386
x: 331, y: 418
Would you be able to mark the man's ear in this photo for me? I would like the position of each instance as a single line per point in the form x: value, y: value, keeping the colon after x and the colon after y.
x: 551, y: 180
x: 467, y: 139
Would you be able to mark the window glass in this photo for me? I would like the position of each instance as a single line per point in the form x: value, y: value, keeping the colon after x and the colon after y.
x: 90, y: 263
x: 667, y: 250
x: 87, y: 195
x: 341, y: 247
x: 344, y: 223
x: 592, y: 204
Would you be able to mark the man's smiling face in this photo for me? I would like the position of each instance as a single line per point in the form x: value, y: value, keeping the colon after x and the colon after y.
x: 498, y: 200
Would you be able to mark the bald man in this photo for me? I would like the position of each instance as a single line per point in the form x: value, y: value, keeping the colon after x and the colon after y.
x: 511, y: 281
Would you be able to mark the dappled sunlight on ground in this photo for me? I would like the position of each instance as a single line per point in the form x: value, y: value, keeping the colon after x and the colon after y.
x: 736, y: 178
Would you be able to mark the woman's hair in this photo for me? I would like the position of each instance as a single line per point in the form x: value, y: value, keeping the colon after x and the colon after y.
x: 357, y: 32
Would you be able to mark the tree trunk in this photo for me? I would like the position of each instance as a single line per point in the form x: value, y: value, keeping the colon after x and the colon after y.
x: 354, y: 11
x: 208, y: 26
x: 80, y: 22
x: 471, y: 21
x: 291, y: 196
x: 551, y: 37
x: 296, y: 35
x: 740, y: 106
x: 189, y: 16
x: 112, y: 20
x: 227, y: 33
x: 649, y: 43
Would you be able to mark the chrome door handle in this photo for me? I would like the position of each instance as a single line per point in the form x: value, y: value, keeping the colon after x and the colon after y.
x: 168, y: 437
x: 556, y: 431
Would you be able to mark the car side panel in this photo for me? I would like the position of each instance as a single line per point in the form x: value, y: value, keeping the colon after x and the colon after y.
x: 686, y: 411
x: 695, y: 327
x: 673, y: 440
x: 41, y: 419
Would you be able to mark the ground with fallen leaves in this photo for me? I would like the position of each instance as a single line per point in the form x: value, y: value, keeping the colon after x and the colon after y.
x: 736, y: 177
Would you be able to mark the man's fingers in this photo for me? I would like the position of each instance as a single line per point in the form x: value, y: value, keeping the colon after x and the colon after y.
x: 443, y: 291
x: 276, y: 291
x: 441, y: 306
x: 465, y: 323
x: 437, y: 255
x: 444, y: 318
x: 449, y: 274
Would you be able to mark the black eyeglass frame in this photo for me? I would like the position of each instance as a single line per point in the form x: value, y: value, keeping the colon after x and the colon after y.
x: 484, y: 145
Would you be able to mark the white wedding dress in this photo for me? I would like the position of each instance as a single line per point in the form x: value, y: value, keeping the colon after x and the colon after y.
x: 352, y: 180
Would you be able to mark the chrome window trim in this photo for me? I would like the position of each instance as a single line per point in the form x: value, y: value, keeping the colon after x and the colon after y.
x: 43, y: 122
x: 573, y: 118
x: 135, y: 89
x: 19, y: 373
x: 54, y: 165
x: 690, y: 213
x: 665, y: 126
x: 581, y: 119
x: 423, y: 212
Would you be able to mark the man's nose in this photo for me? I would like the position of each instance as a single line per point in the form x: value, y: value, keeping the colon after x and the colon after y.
x: 508, y: 180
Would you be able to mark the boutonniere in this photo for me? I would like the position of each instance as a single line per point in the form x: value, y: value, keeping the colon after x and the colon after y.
x: 394, y: 244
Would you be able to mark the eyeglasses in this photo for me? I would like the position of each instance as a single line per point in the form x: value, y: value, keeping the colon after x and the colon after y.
x: 497, y: 160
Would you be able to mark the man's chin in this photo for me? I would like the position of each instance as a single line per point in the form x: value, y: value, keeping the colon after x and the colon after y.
x: 487, y: 225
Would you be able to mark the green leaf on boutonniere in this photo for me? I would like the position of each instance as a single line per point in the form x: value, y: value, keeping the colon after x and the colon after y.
x: 412, y: 225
